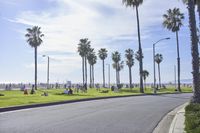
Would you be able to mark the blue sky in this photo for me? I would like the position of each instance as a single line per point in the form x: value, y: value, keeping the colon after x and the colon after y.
x: 108, y: 24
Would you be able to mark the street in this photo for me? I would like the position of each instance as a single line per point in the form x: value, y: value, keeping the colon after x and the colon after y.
x: 139, y: 114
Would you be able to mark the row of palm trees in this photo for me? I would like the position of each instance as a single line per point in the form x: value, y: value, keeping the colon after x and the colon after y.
x: 172, y: 21
x: 88, y: 55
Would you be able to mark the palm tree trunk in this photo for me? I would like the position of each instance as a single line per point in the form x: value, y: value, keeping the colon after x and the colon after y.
x: 93, y: 76
x: 194, y: 52
x: 83, y: 70
x: 85, y: 73
x: 159, y: 76
x: 178, y: 62
x: 198, y: 9
x: 118, y: 82
x: 103, y: 75
x: 90, y: 76
x: 130, y: 78
x: 116, y: 77
x: 35, y: 68
x: 145, y: 84
x: 119, y: 77
x: 140, y: 52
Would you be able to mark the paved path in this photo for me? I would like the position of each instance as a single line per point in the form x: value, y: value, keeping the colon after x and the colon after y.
x: 138, y: 114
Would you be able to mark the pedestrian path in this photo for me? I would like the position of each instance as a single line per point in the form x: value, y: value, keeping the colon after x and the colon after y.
x: 178, y: 125
x: 173, y: 122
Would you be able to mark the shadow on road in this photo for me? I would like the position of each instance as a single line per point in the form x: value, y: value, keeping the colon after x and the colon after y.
x: 176, y: 96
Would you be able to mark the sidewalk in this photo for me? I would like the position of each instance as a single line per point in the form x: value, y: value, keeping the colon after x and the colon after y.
x: 178, y: 125
x: 173, y: 122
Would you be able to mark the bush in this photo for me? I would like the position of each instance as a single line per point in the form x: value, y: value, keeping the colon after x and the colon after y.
x: 192, y: 118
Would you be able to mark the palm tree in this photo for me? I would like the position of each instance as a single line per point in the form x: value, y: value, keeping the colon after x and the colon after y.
x: 116, y: 57
x: 118, y: 67
x: 130, y: 62
x: 83, y: 49
x: 34, y: 39
x: 82, y: 54
x: 173, y: 22
x: 194, y: 52
x: 103, y: 55
x: 145, y: 74
x: 135, y: 4
x: 158, y: 60
x: 91, y: 60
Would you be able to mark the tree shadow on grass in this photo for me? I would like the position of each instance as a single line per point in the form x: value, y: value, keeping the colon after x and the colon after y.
x: 62, y: 94
x: 130, y: 91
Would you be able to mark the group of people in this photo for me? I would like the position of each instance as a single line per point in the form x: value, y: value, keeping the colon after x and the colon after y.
x: 68, y: 91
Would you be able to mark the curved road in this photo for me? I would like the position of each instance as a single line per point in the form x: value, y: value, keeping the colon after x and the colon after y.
x: 138, y: 114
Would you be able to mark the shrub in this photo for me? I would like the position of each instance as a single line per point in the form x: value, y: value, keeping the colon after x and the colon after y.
x: 192, y: 118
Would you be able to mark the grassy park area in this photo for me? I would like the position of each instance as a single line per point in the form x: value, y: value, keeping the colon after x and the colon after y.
x: 17, y: 97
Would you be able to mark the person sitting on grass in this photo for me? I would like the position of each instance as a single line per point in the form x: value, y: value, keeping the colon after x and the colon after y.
x: 66, y: 91
x: 70, y: 91
x: 45, y: 94
x: 25, y: 92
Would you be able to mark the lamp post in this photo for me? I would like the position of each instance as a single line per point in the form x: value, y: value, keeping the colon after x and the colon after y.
x: 108, y: 75
x: 175, y: 76
x: 154, y: 65
x: 47, y: 70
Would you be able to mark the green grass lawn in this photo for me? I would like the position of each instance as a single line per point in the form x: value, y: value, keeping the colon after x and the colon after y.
x: 16, y: 97
x: 192, y: 118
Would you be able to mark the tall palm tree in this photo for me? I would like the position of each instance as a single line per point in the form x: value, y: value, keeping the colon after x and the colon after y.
x: 129, y: 62
x: 173, y: 22
x: 116, y: 57
x: 34, y: 39
x: 135, y: 4
x: 82, y: 54
x: 145, y: 74
x: 84, y: 45
x: 158, y: 60
x: 194, y: 52
x: 119, y: 66
x: 103, y: 53
x: 90, y: 58
x: 93, y: 62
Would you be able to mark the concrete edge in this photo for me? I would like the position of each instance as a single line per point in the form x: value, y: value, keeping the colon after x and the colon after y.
x: 20, y: 107
x: 174, y: 122
x: 168, y: 118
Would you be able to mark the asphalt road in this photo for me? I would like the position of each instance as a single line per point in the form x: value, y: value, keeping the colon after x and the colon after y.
x: 138, y: 114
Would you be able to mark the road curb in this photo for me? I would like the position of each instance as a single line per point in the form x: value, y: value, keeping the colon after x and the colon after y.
x: 177, y: 125
x: 167, y: 122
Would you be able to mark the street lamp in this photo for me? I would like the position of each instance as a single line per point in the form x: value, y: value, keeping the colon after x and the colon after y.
x: 154, y: 67
x: 108, y: 75
x: 47, y: 70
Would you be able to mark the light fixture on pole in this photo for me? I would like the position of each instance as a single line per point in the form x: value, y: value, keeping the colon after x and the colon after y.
x: 154, y: 67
